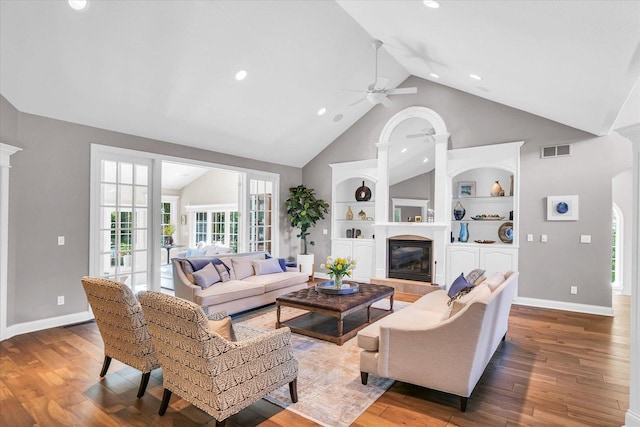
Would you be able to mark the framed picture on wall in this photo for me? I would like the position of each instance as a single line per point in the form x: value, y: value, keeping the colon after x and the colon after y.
x: 562, y: 208
x: 466, y: 189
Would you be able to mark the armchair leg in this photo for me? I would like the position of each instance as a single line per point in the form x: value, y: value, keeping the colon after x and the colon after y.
x: 165, y: 401
x: 105, y: 366
x: 364, y: 376
x: 293, y: 390
x: 463, y: 403
x: 143, y: 384
x: 504, y: 337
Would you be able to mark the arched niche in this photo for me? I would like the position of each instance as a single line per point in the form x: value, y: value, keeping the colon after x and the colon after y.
x: 427, y: 137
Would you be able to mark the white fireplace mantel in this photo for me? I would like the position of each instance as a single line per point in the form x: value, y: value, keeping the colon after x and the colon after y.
x: 436, y: 231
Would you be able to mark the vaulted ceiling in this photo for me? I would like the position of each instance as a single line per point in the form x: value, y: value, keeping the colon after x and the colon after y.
x: 166, y: 69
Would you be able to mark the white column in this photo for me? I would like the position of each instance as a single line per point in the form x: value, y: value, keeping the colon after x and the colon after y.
x: 5, y: 153
x: 632, y: 418
x: 442, y: 184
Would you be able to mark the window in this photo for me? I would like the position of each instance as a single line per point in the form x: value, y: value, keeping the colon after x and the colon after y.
x: 260, y: 215
x: 165, y: 222
x: 213, y: 224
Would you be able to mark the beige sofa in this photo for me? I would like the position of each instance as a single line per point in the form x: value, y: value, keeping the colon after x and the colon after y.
x: 244, y: 290
x: 440, y: 346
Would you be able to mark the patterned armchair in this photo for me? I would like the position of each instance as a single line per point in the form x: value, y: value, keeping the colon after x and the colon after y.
x: 122, y: 326
x: 218, y: 376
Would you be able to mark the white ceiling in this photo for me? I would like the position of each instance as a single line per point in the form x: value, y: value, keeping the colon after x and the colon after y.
x: 165, y: 69
x: 177, y: 175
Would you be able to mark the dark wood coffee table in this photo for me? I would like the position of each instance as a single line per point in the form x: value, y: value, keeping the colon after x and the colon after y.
x: 324, y: 309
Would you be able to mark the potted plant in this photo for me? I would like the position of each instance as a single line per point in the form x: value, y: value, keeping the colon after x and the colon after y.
x: 304, y: 210
x: 168, y: 231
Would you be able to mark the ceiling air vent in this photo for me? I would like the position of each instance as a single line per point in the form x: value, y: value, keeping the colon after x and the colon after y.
x: 555, y: 151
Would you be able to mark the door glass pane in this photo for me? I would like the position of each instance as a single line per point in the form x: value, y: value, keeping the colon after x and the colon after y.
x: 125, y: 195
x: 108, y: 194
x: 140, y: 240
x: 141, y: 218
x: 141, y: 195
x: 142, y: 172
x: 126, y: 173
x: 109, y: 170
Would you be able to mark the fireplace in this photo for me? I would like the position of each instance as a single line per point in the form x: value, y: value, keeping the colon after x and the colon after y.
x: 409, y: 257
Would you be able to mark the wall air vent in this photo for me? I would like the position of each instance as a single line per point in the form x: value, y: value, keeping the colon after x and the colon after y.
x: 555, y: 151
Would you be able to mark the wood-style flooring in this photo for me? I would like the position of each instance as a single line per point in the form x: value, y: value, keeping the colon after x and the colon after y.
x: 555, y: 368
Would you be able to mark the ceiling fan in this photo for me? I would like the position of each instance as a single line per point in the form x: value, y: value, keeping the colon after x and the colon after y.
x: 428, y: 132
x: 376, y: 92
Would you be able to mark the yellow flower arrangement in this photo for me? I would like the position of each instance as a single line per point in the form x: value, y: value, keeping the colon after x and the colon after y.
x: 338, y: 268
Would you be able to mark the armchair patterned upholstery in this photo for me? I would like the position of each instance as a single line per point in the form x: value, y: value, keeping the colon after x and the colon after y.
x: 122, y: 326
x: 218, y: 376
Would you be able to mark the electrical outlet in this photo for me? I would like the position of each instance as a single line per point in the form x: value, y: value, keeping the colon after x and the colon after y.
x: 543, y: 238
x: 60, y: 240
x: 574, y: 290
x: 529, y: 237
x: 61, y: 300
x: 325, y: 231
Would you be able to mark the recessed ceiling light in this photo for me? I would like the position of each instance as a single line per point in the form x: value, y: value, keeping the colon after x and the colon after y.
x: 431, y: 3
x: 77, y: 4
x: 338, y: 117
x: 404, y: 150
x: 425, y: 160
x: 241, y: 75
x: 475, y: 76
x: 434, y: 75
x: 322, y: 111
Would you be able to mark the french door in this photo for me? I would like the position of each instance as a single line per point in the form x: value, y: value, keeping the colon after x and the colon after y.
x: 122, y: 218
x: 261, y: 198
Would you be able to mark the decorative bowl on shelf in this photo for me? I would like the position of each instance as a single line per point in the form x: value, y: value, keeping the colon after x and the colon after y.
x: 484, y: 217
x: 486, y: 242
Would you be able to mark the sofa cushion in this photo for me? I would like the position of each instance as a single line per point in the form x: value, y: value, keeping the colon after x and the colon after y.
x: 408, y: 319
x: 494, y: 281
x: 456, y: 307
x: 282, y: 261
x: 222, y: 327
x: 223, y: 271
x: 475, y: 275
x: 228, y: 291
x: 266, y: 266
x: 274, y: 281
x: 433, y: 301
x: 459, y: 284
x: 206, y: 276
x: 479, y: 292
x: 242, y: 267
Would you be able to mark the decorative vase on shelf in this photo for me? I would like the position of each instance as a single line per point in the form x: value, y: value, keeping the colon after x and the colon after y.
x: 464, y: 232
x: 497, y: 190
x: 459, y: 211
x: 363, y: 193
x: 349, y: 213
x: 362, y: 215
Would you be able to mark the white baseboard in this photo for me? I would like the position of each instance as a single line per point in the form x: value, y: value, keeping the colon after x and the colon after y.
x: 567, y: 306
x: 51, y: 322
x: 632, y: 419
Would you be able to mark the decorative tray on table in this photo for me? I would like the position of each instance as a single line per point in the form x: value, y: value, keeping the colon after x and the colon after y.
x: 330, y: 288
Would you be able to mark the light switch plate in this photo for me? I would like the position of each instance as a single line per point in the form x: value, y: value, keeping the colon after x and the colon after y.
x: 60, y: 240
x: 585, y: 238
x: 543, y: 238
x: 529, y: 237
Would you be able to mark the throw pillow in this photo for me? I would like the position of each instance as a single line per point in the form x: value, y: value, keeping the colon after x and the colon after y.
x: 188, y: 271
x: 267, y: 266
x: 226, y: 261
x: 207, y: 276
x: 457, y: 306
x: 242, y: 267
x: 282, y: 261
x: 223, y: 272
x: 222, y: 328
x: 474, y: 275
x: 459, y: 284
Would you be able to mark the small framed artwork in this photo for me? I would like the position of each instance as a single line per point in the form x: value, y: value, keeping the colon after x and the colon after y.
x: 418, y: 218
x: 466, y: 189
x: 562, y: 208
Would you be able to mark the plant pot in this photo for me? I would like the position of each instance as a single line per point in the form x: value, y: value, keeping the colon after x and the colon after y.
x: 305, y: 263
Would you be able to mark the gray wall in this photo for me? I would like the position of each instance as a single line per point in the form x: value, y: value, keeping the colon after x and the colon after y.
x: 547, y: 270
x: 49, y: 196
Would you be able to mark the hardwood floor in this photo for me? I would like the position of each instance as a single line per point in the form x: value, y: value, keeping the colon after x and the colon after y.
x: 555, y: 368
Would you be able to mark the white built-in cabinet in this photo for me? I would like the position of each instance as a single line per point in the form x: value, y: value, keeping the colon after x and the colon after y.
x: 346, y: 178
x: 483, y: 166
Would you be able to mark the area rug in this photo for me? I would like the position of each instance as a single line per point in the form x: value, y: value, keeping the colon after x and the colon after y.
x: 329, y: 388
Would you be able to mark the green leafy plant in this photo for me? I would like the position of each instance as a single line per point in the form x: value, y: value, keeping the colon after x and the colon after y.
x: 304, y: 210
x: 168, y: 229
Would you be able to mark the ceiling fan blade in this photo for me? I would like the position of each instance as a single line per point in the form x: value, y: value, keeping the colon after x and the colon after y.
x: 385, y: 101
x: 357, y: 102
x: 401, y: 91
